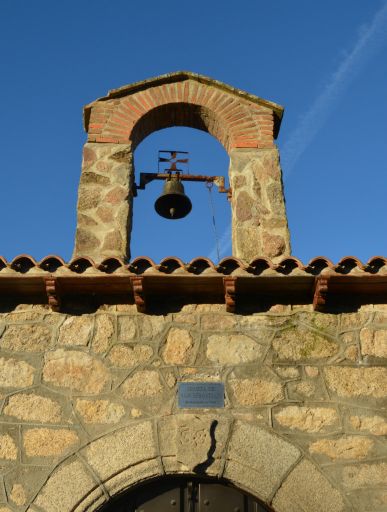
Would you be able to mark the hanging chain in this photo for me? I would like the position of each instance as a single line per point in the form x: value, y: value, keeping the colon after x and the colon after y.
x: 209, y: 185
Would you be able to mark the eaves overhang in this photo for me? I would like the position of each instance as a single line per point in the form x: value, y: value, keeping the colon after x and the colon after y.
x: 257, y: 284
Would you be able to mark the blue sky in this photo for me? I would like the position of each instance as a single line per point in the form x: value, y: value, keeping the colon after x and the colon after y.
x: 325, y: 62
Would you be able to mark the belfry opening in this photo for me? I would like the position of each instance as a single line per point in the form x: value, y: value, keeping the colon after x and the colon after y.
x: 210, y: 213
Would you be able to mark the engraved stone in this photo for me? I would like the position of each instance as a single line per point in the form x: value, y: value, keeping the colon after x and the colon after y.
x: 193, y: 440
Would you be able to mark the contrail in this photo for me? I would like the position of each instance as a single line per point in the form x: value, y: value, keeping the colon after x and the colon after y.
x: 371, y: 38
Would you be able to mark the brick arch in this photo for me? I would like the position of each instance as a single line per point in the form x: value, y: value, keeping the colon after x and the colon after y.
x: 235, y: 118
x: 251, y: 458
x: 179, y: 114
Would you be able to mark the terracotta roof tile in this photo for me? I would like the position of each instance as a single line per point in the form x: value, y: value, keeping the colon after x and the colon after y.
x: 200, y: 266
x: 233, y: 281
x: 52, y: 264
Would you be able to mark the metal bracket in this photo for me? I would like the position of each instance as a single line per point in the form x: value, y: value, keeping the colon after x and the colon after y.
x: 52, y: 291
x: 138, y: 293
x: 321, y: 286
x: 229, y: 284
x: 147, y: 177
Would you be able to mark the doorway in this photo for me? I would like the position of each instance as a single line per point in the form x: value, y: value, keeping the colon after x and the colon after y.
x: 185, y: 495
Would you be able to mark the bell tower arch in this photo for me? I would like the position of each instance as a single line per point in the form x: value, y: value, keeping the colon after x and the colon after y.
x: 244, y: 124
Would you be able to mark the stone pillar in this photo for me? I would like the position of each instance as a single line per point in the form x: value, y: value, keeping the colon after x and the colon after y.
x: 259, y: 223
x: 104, y: 212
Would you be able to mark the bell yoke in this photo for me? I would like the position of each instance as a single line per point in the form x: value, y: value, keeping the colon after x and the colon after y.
x: 173, y: 203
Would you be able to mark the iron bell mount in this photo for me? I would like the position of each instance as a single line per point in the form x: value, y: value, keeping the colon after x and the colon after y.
x: 173, y: 203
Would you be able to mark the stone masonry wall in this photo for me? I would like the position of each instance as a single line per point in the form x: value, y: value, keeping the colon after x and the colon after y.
x: 88, y: 403
x: 104, y: 211
x: 259, y: 223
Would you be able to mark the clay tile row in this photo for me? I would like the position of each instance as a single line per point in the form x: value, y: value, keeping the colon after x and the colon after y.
x: 290, y: 265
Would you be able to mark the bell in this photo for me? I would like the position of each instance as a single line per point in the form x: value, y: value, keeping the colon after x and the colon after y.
x: 173, y: 203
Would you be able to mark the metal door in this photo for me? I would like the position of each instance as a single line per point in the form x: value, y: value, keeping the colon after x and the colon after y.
x: 185, y: 495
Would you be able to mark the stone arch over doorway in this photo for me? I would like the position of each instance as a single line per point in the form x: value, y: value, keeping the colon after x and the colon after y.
x: 244, y: 124
x: 249, y: 457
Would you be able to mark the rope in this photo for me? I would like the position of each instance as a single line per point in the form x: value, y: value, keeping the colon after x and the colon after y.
x: 209, y: 185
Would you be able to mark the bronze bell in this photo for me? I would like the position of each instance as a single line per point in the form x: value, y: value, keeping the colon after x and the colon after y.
x: 173, y: 203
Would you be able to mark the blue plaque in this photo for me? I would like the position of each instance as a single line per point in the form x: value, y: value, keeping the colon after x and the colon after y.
x: 206, y: 395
